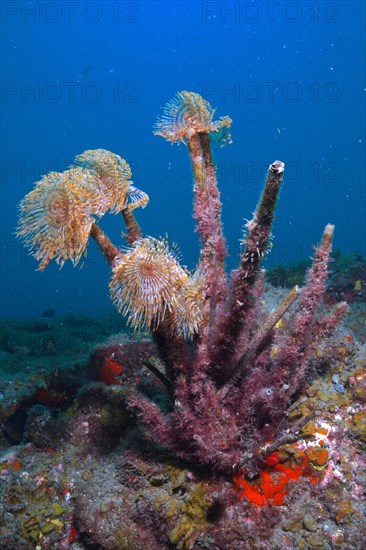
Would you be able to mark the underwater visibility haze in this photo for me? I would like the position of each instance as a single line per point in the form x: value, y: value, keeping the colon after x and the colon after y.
x: 97, y: 77
x: 183, y: 320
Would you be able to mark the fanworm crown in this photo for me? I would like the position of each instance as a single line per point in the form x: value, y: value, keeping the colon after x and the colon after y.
x: 189, y: 112
x: 146, y: 282
x: 115, y: 175
x: 56, y: 217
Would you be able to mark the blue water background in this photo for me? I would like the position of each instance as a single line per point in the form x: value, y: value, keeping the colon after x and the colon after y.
x: 289, y: 74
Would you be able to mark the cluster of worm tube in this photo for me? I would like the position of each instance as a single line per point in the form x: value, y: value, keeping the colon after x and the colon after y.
x: 231, y: 386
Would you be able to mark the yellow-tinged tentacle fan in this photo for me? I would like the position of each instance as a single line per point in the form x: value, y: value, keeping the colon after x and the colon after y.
x: 188, y: 313
x: 116, y: 176
x: 146, y: 282
x: 188, y: 111
x: 136, y: 198
x: 55, y: 218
